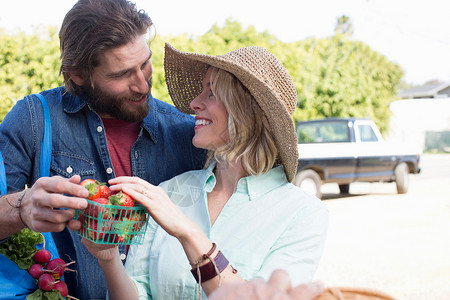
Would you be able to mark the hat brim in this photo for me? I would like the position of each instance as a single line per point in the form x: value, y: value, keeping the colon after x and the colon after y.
x: 184, y: 75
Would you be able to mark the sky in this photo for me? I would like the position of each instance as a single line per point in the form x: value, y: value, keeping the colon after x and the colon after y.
x: 412, y: 33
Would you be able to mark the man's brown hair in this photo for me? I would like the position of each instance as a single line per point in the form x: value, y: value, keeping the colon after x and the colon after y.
x: 93, y: 26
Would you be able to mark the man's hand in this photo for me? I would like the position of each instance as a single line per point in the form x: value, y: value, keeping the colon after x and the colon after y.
x: 50, y: 203
x: 277, y: 288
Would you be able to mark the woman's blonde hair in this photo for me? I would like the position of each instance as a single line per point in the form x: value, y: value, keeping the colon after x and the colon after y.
x: 250, y: 137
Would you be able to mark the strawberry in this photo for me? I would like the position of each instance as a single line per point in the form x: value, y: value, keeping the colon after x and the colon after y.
x: 98, y: 211
x: 96, y: 189
x: 137, y: 220
x: 115, y: 238
x: 122, y: 199
x: 96, y: 232
x: 104, y: 191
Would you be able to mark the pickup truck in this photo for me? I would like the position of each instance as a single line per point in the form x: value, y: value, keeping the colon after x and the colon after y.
x: 346, y: 150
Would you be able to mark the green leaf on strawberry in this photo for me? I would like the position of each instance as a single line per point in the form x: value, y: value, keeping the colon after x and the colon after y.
x: 96, y: 189
x: 122, y: 199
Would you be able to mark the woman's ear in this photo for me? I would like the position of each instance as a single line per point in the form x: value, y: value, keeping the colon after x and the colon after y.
x: 78, y: 77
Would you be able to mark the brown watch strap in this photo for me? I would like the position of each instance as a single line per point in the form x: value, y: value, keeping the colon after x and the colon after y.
x: 208, y: 271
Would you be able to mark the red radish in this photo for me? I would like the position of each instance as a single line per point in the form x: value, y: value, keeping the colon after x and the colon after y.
x: 42, y: 256
x: 58, y: 266
x: 62, y: 288
x: 46, y: 282
x: 36, y: 270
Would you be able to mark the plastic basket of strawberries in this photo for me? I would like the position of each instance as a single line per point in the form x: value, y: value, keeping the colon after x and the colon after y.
x: 111, y: 218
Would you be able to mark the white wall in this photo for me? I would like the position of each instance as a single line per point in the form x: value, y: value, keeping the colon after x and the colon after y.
x: 411, y: 118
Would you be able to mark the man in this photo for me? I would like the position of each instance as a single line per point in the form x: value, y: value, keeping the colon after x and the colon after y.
x: 105, y: 124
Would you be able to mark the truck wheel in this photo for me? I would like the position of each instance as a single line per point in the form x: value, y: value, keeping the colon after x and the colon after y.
x: 344, y: 188
x: 309, y: 181
x: 402, y: 178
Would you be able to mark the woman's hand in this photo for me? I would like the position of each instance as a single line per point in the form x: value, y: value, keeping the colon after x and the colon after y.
x: 157, y: 202
x: 101, y: 252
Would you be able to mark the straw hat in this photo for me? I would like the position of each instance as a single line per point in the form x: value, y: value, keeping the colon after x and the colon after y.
x: 259, y: 71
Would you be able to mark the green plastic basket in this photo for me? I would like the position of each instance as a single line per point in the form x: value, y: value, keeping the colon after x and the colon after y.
x: 112, y: 224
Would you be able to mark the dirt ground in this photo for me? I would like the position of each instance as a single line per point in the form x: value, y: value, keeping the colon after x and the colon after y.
x: 397, y: 244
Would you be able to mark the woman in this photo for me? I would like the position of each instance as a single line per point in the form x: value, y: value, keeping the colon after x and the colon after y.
x: 242, y: 201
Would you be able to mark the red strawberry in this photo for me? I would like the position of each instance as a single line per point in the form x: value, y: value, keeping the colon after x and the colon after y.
x: 115, y: 238
x: 121, y: 199
x: 96, y: 189
x: 104, y: 190
x: 97, y: 210
x: 91, y: 186
x: 137, y: 220
x: 129, y: 225
x: 88, y: 181
x: 96, y: 232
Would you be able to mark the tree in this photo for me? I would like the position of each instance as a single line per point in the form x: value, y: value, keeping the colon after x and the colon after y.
x: 28, y: 64
x: 334, y: 77
x: 344, y: 26
x: 343, y: 78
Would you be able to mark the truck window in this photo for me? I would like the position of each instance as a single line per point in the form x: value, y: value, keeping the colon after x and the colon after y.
x: 326, y: 132
x: 366, y: 133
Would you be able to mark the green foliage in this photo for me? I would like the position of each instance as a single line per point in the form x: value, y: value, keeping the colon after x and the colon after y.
x: 343, y: 78
x: 334, y: 77
x: 21, y: 247
x: 28, y: 64
x: 40, y: 294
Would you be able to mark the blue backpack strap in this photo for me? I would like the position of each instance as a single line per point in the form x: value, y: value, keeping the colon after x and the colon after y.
x: 46, y: 147
x: 3, y: 185
x: 16, y: 283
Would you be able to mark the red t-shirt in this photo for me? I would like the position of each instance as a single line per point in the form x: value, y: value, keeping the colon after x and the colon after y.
x: 121, y: 136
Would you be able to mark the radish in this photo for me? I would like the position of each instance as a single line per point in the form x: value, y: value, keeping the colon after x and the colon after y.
x: 36, y: 270
x: 62, y: 288
x: 46, y: 282
x: 42, y: 256
x: 58, y: 266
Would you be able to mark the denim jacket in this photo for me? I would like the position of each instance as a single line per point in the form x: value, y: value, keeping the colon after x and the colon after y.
x: 162, y: 150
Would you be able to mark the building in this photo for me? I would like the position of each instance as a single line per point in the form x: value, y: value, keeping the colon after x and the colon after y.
x: 433, y: 90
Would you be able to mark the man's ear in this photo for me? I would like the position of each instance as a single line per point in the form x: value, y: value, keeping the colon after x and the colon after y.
x: 78, y: 77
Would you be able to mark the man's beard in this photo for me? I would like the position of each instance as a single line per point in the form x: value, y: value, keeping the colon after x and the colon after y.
x: 117, y: 107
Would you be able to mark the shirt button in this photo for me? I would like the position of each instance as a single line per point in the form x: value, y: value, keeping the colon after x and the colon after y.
x: 99, y: 129
x: 109, y: 170
x: 123, y: 256
x: 69, y: 170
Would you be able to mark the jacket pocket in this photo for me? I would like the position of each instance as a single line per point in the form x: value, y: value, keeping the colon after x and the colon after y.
x: 69, y: 164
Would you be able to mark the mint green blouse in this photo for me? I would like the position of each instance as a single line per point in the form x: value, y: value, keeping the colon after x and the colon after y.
x: 267, y: 224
